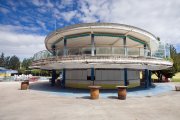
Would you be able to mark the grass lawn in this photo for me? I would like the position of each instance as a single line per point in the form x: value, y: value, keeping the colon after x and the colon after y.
x: 176, y: 78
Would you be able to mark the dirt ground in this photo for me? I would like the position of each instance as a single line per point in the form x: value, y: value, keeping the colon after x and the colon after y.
x: 18, y: 104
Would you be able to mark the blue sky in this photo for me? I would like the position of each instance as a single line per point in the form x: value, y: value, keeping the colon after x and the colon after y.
x: 24, y: 24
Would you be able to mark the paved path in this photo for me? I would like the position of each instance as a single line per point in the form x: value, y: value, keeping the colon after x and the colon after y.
x: 34, y: 104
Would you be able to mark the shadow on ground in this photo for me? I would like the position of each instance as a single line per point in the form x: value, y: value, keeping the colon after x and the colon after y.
x: 46, y: 86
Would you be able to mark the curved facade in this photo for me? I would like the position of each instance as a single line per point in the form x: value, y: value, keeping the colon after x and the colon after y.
x: 108, y: 54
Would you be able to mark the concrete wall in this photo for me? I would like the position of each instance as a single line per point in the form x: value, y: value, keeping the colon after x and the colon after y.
x: 107, y: 78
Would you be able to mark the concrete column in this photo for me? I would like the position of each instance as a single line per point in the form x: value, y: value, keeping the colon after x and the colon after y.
x: 65, y: 47
x: 150, y: 80
x: 125, y: 77
x: 146, y: 78
x: 64, y: 78
x: 53, y: 77
x: 125, y: 47
x: 92, y: 45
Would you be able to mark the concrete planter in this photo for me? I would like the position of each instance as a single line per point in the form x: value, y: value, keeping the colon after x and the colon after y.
x: 121, y: 92
x: 94, y: 91
x: 177, y: 88
x: 25, y: 85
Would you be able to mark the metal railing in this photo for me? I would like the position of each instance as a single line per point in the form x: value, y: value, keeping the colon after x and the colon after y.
x: 163, y: 51
x: 101, y: 59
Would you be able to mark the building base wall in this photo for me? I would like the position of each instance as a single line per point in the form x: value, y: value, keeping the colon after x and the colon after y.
x: 107, y: 78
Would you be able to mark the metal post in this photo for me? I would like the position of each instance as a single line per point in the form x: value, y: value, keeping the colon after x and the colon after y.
x: 92, y: 75
x: 125, y: 47
x: 92, y: 45
x: 165, y: 51
x: 65, y: 47
x: 150, y: 48
x: 139, y: 51
x: 53, y: 71
x: 150, y: 80
x: 54, y: 50
x: 125, y: 77
x: 64, y: 78
x: 144, y: 50
x: 146, y: 78
x: 53, y: 77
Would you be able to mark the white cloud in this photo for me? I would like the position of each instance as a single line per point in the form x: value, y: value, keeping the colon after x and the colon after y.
x: 38, y: 2
x: 49, y: 4
x: 65, y: 3
x: 20, y: 44
x: 42, y: 24
x: 68, y: 15
x: 4, y: 10
x: 160, y: 17
x: 13, y: 28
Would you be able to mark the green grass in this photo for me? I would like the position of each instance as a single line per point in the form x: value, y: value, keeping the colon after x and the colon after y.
x: 176, y: 78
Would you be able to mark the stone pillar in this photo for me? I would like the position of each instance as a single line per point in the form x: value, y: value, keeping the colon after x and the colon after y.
x: 92, y: 45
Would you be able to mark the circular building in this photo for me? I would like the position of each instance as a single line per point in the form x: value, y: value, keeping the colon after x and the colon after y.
x: 105, y: 54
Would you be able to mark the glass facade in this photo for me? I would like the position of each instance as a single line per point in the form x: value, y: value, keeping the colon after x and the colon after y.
x: 163, y: 51
x: 42, y: 55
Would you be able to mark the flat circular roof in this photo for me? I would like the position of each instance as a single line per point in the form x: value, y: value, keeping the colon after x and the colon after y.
x: 112, y: 28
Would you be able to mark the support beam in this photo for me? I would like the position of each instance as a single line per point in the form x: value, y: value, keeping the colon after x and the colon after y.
x: 125, y: 47
x: 150, y: 80
x: 165, y: 55
x: 92, y: 45
x: 92, y: 75
x: 145, y: 47
x: 136, y: 39
x: 53, y: 50
x: 146, y: 78
x: 125, y: 77
x: 53, y: 77
x: 65, y: 47
x: 53, y: 71
x: 64, y: 78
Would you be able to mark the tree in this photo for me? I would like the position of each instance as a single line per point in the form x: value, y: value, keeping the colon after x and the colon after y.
x: 6, y: 62
x: 170, y: 72
x: 14, y: 63
x: 178, y: 62
x: 26, y: 63
x: 2, y: 60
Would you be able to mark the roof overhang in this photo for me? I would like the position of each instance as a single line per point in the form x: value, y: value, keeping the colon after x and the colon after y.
x: 83, y: 30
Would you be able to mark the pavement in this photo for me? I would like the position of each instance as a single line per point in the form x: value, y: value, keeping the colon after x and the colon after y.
x: 39, y: 103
